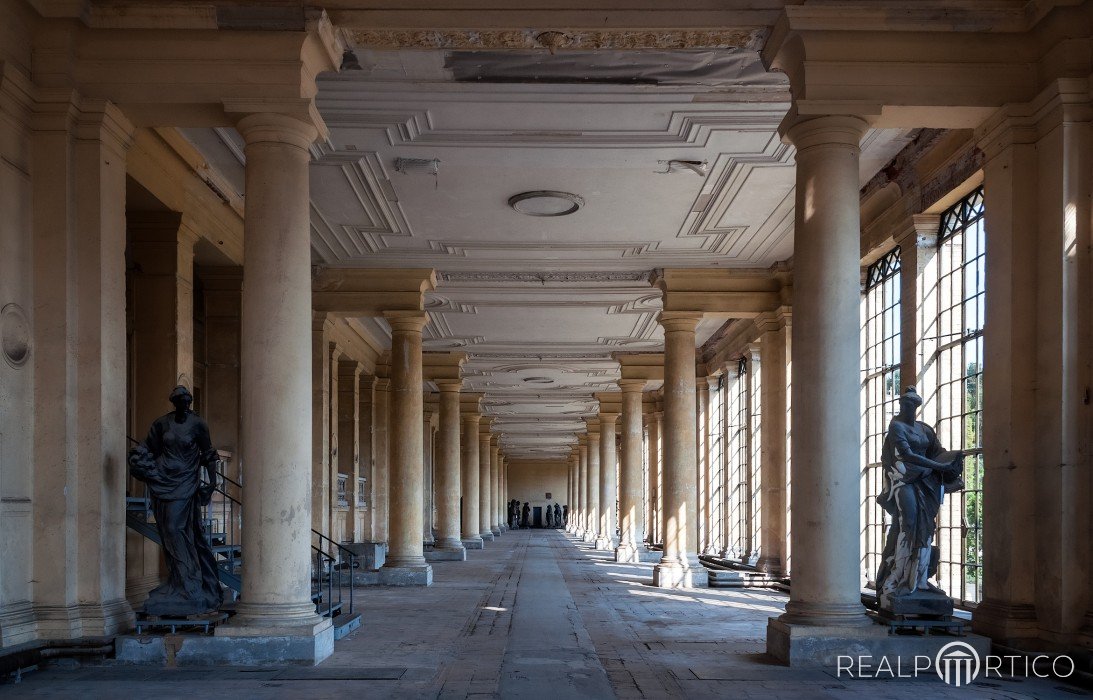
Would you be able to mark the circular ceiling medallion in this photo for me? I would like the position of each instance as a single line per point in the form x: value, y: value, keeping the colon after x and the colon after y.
x: 546, y: 203
x: 14, y: 334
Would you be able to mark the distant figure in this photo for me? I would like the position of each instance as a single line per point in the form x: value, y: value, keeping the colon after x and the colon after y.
x: 549, y: 517
x: 557, y: 515
x: 514, y: 514
x: 565, y: 515
x: 524, y: 515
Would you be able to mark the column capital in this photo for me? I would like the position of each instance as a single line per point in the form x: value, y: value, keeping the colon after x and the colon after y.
x: 832, y: 130
x: 280, y: 129
x: 406, y: 321
x: 582, y: 441
x: 448, y: 385
x: 470, y: 418
x: 608, y: 418
x: 631, y: 386
x: 679, y: 321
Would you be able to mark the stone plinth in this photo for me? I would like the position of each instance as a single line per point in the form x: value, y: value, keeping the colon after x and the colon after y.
x: 821, y: 646
x: 395, y: 576
x: 446, y: 554
x: 270, y: 649
x: 372, y: 554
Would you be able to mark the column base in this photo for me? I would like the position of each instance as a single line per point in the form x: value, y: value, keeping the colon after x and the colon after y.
x: 411, y: 575
x: 486, y: 535
x: 446, y: 554
x: 1011, y: 624
x: 245, y: 642
x: 496, y: 531
x: 604, y: 544
x: 589, y: 537
x: 579, y: 534
x: 473, y: 543
x: 627, y: 553
x: 82, y: 619
x: 686, y: 574
x: 838, y: 646
x: 673, y: 575
x: 371, y: 554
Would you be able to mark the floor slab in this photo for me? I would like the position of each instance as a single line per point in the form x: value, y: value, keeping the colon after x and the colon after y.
x: 537, y: 614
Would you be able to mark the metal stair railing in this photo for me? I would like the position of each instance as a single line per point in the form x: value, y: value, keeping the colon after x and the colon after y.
x: 332, y: 564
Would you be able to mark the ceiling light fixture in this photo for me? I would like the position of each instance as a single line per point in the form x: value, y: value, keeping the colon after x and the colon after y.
x: 538, y: 380
x: 546, y: 203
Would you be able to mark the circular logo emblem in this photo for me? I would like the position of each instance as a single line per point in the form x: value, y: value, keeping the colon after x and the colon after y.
x: 957, y: 663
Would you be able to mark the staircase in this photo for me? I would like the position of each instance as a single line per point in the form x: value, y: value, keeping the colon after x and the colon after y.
x: 332, y: 565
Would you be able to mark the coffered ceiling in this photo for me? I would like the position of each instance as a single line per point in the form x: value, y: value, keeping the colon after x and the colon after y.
x: 673, y: 155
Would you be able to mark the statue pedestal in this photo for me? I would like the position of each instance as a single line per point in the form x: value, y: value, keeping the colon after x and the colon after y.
x: 917, y: 603
x: 863, y: 645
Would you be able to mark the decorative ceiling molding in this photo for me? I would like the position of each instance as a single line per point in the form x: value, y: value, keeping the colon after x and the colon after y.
x: 552, y: 39
x: 640, y: 276
x: 692, y: 128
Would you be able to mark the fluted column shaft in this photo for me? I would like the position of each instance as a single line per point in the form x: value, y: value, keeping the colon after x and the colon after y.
x: 825, y: 391
x: 680, y: 469
x: 405, y: 444
x: 631, y: 511
x: 447, y: 467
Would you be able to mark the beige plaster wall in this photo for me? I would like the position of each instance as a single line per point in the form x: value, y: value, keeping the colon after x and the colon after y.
x: 530, y: 481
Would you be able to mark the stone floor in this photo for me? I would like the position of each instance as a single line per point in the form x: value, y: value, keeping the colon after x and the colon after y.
x: 534, y: 615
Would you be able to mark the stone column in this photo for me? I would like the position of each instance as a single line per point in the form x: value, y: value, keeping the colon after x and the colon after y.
x: 74, y: 327
x: 582, y: 486
x: 592, y: 528
x: 321, y: 327
x: 495, y: 485
x: 380, y: 473
x: 502, y: 496
x: 609, y: 488
x: 428, y: 463
x: 654, y: 534
x: 332, y: 512
x: 574, y: 490
x: 362, y: 492
x: 447, y: 472
x: 774, y: 342
x: 349, y: 374
x: 485, y: 440
x: 630, y: 477
x: 405, y: 563
x: 702, y: 453
x: 469, y: 472
x: 276, y: 359
x: 825, y: 392
x: 680, y: 470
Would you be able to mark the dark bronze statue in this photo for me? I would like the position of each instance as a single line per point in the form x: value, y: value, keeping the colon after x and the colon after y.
x: 549, y: 516
x: 918, y: 472
x: 525, y: 516
x: 557, y: 515
x: 169, y: 461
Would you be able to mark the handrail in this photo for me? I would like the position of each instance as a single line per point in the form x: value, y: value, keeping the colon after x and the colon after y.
x: 332, y: 560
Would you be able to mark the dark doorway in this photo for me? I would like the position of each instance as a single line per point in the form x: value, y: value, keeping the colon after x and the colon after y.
x: 537, y: 516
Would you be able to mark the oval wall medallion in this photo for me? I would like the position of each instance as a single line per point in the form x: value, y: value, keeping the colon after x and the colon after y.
x: 14, y: 335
